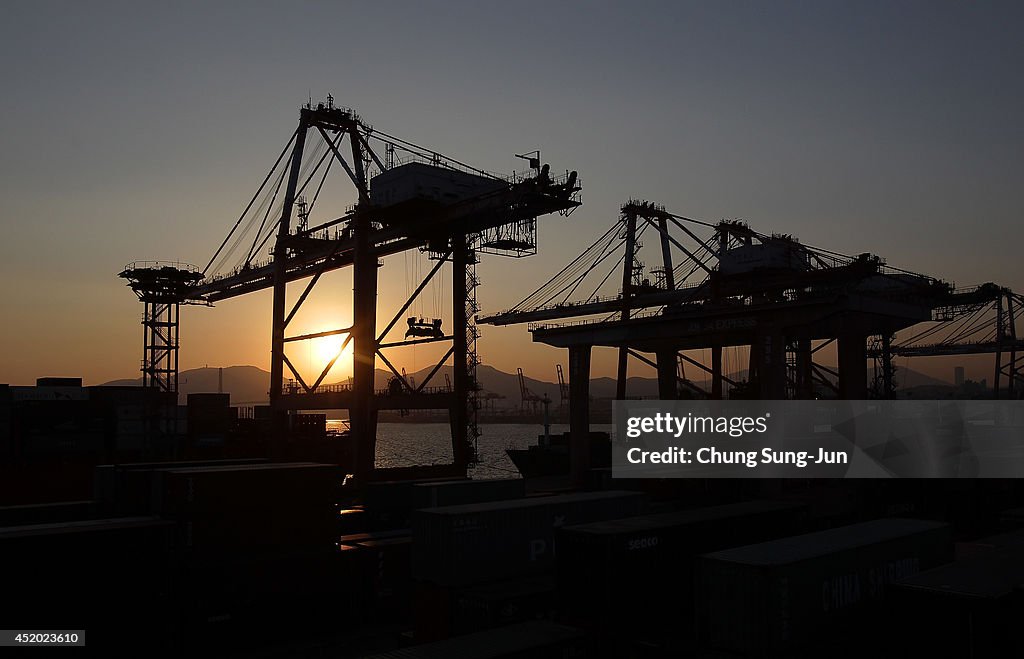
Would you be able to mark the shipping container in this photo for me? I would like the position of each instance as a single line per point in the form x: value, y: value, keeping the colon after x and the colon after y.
x: 127, y: 488
x: 249, y: 600
x: 766, y: 598
x: 308, y: 426
x: 970, y: 608
x: 527, y: 640
x: 1012, y: 519
x: 988, y: 543
x: 47, y: 513
x: 209, y: 418
x: 58, y: 382
x: 56, y: 575
x: 441, y: 611
x: 459, y: 492
x: 250, y: 508
x: 476, y: 543
x: 356, y: 538
x: 485, y: 606
x: 389, y: 562
x: 649, y: 560
x: 394, y: 496
x: 352, y: 519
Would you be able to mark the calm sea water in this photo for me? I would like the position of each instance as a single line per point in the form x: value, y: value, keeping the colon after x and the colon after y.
x: 408, y: 444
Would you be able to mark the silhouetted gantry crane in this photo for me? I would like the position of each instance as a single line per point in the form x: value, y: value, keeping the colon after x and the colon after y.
x: 724, y: 285
x: 527, y: 397
x: 973, y: 321
x: 406, y: 198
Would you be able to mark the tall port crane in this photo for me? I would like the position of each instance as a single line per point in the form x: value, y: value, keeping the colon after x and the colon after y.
x: 723, y: 285
x: 527, y: 396
x: 981, y: 320
x: 406, y: 198
x: 563, y: 386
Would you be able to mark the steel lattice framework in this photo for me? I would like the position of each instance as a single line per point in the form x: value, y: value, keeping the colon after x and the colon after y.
x: 498, y: 217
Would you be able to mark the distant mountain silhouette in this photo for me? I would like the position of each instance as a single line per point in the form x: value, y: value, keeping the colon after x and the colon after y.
x: 248, y: 384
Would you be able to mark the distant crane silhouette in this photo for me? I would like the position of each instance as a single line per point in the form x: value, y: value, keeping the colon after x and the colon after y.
x: 527, y: 395
x: 563, y: 387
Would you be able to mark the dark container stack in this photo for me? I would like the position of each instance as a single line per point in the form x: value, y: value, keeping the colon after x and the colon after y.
x: 528, y: 640
x: 970, y: 608
x: 209, y: 418
x: 459, y: 492
x: 395, y: 496
x: 475, y: 543
x: 768, y: 598
x: 47, y: 513
x: 308, y: 425
x: 480, y: 565
x: 258, y: 599
x: 616, y: 576
x: 83, y: 575
x: 128, y: 488
x: 256, y: 551
x: 222, y: 510
x: 388, y: 564
x: 501, y: 603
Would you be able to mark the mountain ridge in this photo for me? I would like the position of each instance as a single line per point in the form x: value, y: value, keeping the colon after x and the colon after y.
x: 248, y: 384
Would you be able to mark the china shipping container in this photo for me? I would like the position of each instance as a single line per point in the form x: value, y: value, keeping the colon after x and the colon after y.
x: 970, y: 608
x: 765, y: 598
x: 648, y: 560
x: 528, y: 640
x: 476, y: 543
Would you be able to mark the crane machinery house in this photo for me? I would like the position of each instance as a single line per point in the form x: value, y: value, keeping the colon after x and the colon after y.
x: 423, y: 183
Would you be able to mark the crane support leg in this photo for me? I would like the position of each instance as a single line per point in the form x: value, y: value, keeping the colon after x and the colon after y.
x: 804, y: 377
x: 716, y: 373
x: 853, y: 367
x: 460, y: 293
x: 771, y: 367
x: 579, y: 412
x: 281, y: 269
x: 363, y: 414
x: 667, y: 369
x: 627, y: 290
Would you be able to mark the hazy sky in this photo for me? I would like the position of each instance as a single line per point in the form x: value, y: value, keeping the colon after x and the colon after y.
x: 139, y: 130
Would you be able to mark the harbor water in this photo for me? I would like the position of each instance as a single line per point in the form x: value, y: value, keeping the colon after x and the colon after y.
x: 410, y: 444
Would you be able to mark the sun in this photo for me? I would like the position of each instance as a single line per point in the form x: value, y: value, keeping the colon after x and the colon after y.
x: 326, y: 348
